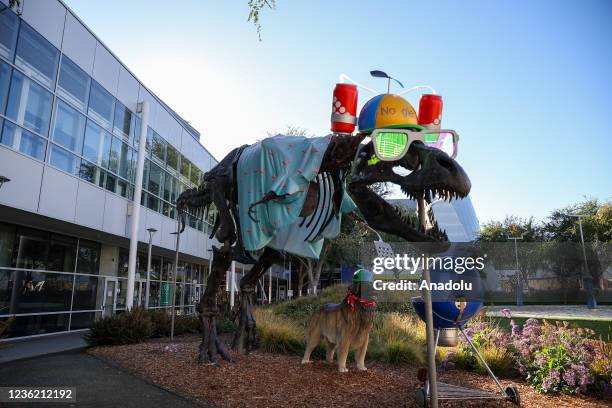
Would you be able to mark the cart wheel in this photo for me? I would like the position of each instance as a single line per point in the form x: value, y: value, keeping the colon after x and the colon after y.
x: 512, y: 394
x: 421, y: 397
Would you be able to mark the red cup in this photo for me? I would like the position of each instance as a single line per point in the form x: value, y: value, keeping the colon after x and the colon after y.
x: 430, y: 111
x: 344, y: 108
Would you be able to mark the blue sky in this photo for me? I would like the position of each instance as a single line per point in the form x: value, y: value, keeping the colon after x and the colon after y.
x: 528, y: 85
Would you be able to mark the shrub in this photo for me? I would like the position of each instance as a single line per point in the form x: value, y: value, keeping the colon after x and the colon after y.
x: 500, y: 360
x: 186, y: 324
x: 226, y: 326
x: 399, y: 352
x: 126, y: 328
x: 278, y: 334
x: 397, y: 338
x: 160, y: 320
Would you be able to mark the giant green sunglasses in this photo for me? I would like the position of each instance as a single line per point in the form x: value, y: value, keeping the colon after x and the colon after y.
x: 392, y: 144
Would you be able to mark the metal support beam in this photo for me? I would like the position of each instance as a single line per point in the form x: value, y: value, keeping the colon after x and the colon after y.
x: 142, y: 140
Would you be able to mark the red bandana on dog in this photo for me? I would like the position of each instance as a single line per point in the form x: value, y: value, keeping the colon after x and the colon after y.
x: 352, y: 300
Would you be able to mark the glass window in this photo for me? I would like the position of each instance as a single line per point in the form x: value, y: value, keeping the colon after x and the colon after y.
x: 83, y: 320
x: 22, y: 140
x: 145, y: 174
x: 135, y: 134
x: 73, y: 84
x: 90, y: 172
x: 29, y: 104
x: 118, y: 162
x: 88, y: 292
x: 8, y: 33
x: 69, y: 127
x: 149, y: 139
x: 169, y: 182
x: 111, y: 182
x: 154, y: 290
x: 102, y: 179
x: 36, y: 56
x: 122, y: 188
x: 156, y: 179
x: 172, y: 158
x: 195, y: 175
x: 132, y: 162
x: 124, y: 259
x: 101, y: 105
x: 88, y: 260
x: 62, y: 253
x: 39, y: 324
x: 36, y: 292
x: 64, y: 160
x: 5, y: 76
x: 167, y: 209
x: 153, y: 202
x: 159, y: 148
x: 7, y: 241
x: 123, y: 121
x: 97, y: 144
x: 185, y: 165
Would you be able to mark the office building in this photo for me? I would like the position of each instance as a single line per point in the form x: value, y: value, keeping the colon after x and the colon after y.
x: 69, y: 142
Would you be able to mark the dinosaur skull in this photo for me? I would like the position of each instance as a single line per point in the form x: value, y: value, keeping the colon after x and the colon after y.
x: 428, y: 173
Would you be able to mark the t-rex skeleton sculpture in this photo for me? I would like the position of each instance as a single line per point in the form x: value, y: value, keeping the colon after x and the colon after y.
x: 432, y: 173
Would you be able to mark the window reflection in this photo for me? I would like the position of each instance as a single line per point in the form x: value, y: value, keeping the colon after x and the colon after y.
x: 37, y: 292
x: 73, y: 83
x: 97, y: 144
x: 156, y: 179
x: 39, y: 324
x: 88, y: 291
x: 172, y: 158
x: 90, y: 172
x: 29, y: 104
x: 88, y: 260
x: 159, y: 148
x: 8, y: 33
x: 64, y: 160
x: 185, y: 166
x: 123, y: 120
x: 69, y: 127
x: 100, y: 105
x: 5, y: 76
x: 22, y: 140
x: 118, y: 161
x: 36, y: 56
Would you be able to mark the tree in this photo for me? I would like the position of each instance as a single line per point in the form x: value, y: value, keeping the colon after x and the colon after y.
x: 255, y: 7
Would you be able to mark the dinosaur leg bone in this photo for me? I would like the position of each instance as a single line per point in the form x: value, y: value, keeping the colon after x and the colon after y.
x: 208, y: 311
x: 245, y: 337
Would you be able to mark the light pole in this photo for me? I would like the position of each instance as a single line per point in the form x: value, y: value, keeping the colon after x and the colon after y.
x: 587, y: 279
x: 152, y: 232
x: 176, y: 256
x: 429, y: 327
x: 519, y: 281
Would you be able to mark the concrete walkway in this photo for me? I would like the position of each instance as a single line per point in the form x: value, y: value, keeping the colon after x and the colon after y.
x: 40, y: 346
x: 97, y: 383
x: 559, y: 312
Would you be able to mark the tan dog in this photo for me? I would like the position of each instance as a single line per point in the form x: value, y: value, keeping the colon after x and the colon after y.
x: 345, y: 326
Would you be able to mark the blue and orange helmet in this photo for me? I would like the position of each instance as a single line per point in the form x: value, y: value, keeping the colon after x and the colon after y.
x: 387, y: 111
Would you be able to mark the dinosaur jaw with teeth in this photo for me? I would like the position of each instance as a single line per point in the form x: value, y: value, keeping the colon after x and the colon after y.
x: 432, y: 176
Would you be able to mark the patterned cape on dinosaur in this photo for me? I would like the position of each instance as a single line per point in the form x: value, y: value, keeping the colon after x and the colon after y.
x: 284, y: 167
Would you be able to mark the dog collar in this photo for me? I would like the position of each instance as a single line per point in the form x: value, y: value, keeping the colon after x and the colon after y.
x: 353, y: 299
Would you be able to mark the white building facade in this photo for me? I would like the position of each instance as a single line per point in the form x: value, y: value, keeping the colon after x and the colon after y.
x: 69, y: 131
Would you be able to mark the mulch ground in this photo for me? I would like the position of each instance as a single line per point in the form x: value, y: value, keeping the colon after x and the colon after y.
x: 270, y: 380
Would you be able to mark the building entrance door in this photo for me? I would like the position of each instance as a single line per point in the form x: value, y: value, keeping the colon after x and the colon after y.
x: 110, y: 297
